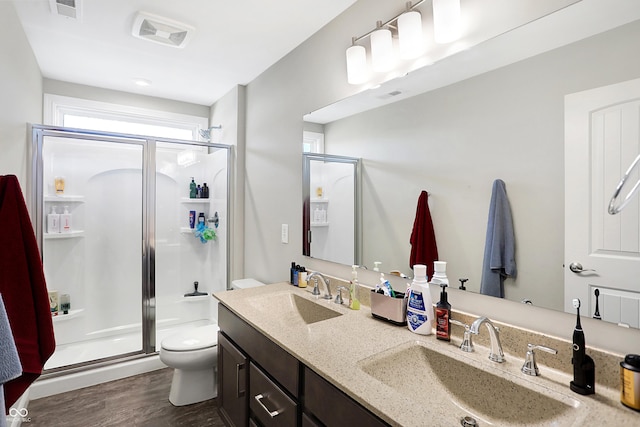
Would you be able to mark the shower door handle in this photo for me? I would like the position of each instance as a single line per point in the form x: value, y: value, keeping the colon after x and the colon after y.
x: 239, y: 393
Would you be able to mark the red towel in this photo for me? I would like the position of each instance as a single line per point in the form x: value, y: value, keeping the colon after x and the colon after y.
x: 423, y: 239
x: 23, y: 289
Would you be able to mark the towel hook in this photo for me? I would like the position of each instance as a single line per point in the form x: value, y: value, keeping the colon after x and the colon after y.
x: 613, y: 209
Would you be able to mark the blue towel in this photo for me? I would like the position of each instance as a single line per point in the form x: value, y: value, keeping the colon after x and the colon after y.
x: 10, y: 366
x: 500, y: 248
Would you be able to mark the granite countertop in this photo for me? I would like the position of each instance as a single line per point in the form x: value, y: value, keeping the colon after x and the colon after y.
x: 340, y: 349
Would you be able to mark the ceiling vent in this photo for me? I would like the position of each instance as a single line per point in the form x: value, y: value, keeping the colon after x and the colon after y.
x: 161, y: 30
x: 67, y: 8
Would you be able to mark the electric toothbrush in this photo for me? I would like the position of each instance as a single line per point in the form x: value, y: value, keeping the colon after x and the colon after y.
x: 583, y: 366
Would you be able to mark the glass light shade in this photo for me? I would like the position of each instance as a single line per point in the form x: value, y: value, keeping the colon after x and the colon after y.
x: 410, y: 37
x: 382, y: 55
x: 446, y: 20
x: 357, y: 70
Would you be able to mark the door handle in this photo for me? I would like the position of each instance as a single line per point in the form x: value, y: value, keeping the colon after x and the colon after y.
x: 576, y: 267
x: 239, y: 393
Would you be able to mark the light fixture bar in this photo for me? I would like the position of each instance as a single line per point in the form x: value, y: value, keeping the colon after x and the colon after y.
x: 388, y: 23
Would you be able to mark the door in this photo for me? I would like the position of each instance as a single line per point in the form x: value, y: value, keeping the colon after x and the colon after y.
x: 602, y: 139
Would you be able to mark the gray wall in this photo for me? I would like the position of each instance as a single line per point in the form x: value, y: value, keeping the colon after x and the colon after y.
x: 314, y: 75
x: 21, y: 89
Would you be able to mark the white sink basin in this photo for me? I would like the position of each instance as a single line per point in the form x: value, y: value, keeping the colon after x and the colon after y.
x: 292, y: 308
x: 490, y: 396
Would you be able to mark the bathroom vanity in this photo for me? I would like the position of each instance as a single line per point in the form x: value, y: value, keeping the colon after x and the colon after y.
x: 287, y: 357
x: 258, y: 380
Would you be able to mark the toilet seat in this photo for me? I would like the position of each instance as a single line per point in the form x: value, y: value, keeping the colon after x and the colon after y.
x: 194, y: 339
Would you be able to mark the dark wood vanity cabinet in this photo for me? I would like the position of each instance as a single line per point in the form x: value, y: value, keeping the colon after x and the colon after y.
x: 232, y: 383
x: 260, y: 384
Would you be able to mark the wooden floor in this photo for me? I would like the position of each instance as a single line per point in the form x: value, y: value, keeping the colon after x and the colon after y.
x: 142, y: 400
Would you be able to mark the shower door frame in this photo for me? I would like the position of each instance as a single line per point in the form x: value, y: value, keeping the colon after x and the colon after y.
x: 149, y: 146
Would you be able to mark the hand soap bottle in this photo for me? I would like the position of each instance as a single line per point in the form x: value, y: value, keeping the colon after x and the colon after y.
x: 420, y: 305
x: 354, y: 302
x: 443, y: 312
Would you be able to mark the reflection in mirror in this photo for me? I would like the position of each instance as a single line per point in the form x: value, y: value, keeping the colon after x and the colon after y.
x: 331, y: 208
x: 505, y: 122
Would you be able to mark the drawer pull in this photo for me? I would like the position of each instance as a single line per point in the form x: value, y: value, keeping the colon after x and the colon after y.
x: 259, y: 398
x: 238, y: 367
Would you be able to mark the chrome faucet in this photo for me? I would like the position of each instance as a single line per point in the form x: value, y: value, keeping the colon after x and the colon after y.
x: 315, y: 291
x: 496, y: 354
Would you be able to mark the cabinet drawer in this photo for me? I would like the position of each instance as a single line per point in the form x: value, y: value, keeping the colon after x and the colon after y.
x: 282, y: 366
x: 332, y: 407
x: 269, y: 404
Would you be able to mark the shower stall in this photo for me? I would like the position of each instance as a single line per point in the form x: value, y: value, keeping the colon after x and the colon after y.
x: 123, y: 240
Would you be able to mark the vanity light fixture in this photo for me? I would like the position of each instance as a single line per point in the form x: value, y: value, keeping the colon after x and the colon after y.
x: 382, y: 53
x: 446, y: 20
x: 411, y: 40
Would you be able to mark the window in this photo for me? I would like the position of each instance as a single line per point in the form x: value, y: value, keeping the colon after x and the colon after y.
x: 101, y: 116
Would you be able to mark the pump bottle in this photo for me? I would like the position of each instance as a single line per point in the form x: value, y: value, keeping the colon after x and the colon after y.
x: 420, y: 305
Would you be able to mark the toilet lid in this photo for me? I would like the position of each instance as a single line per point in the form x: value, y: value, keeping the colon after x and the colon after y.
x: 192, y: 339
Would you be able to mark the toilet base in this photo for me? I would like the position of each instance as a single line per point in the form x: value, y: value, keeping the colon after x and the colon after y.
x: 188, y: 387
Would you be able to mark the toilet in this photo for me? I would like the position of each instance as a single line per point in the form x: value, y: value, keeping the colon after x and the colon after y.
x: 193, y: 355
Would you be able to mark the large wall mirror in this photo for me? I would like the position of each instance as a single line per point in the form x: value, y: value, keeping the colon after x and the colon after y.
x: 496, y: 111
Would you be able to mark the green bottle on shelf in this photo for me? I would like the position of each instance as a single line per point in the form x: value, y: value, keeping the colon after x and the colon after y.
x: 193, y: 189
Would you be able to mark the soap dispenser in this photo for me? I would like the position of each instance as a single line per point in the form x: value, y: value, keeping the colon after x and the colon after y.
x: 354, y: 302
x: 584, y: 369
x: 443, y: 313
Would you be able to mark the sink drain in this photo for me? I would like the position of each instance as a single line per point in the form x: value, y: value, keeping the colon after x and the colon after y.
x: 468, y: 422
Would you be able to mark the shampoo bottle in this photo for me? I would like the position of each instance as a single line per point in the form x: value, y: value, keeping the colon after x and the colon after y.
x: 193, y: 189
x: 443, y: 312
x: 420, y: 305
x: 65, y: 221
x: 53, y: 221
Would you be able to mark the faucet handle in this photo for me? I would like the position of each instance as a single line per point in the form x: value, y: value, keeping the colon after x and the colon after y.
x: 339, y: 299
x: 315, y: 291
x: 530, y: 366
x: 467, y: 344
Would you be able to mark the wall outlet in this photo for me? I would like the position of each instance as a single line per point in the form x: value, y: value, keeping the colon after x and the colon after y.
x: 285, y: 233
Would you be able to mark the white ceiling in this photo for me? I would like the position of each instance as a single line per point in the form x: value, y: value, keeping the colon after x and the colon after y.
x: 234, y: 42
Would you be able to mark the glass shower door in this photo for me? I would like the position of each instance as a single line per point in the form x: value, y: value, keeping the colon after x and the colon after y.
x: 93, y: 232
x: 190, y: 234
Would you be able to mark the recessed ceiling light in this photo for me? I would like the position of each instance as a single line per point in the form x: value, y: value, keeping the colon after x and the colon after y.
x: 142, y: 82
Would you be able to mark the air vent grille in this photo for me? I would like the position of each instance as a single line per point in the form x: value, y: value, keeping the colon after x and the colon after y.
x: 161, y: 30
x: 67, y: 8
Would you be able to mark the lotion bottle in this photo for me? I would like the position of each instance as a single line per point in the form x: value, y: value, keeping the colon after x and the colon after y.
x: 420, y: 305
x: 65, y: 221
x: 53, y: 221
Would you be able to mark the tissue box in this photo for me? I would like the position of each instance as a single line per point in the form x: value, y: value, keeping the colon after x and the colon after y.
x: 392, y: 310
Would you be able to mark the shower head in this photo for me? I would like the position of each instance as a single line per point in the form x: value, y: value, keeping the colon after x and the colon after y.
x: 206, y: 133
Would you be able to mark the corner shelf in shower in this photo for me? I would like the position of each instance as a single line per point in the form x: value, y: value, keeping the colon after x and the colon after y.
x: 74, y: 234
x: 72, y: 313
x: 196, y: 298
x: 189, y: 200
x: 65, y: 198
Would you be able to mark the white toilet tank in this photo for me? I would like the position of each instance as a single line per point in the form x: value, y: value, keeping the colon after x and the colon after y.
x: 245, y: 283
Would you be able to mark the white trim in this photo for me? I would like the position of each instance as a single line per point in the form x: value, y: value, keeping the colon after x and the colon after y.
x: 56, y: 106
